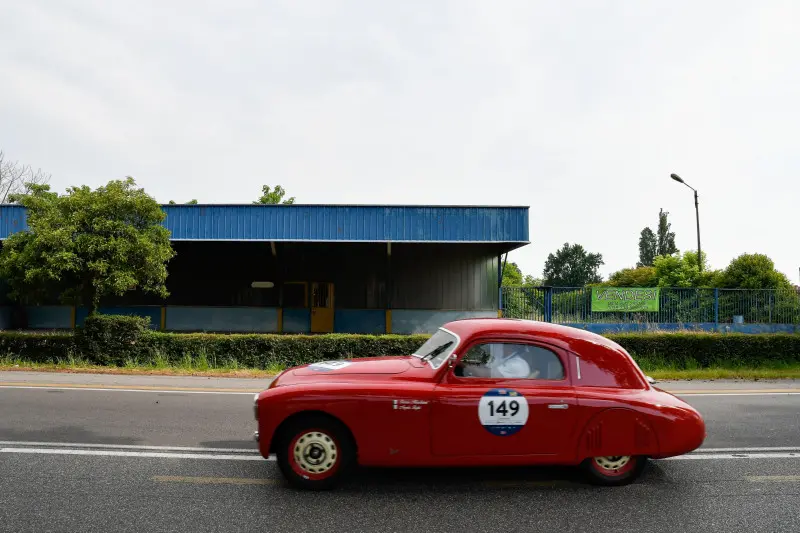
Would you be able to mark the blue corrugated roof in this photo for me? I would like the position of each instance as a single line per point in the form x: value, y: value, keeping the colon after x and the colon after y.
x: 331, y: 223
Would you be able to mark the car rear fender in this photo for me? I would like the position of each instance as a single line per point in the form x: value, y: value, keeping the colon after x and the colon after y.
x: 617, y: 431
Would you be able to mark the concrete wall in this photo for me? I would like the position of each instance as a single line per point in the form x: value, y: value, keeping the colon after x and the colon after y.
x: 49, y: 317
x: 151, y: 312
x: 222, y: 319
x: 359, y: 321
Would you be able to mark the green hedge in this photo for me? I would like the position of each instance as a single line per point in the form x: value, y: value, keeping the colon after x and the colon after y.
x: 122, y: 340
x: 708, y: 349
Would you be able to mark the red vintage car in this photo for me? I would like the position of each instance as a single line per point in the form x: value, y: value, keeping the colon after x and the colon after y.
x: 479, y: 392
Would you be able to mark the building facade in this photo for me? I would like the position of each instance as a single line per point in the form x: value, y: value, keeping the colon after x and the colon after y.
x: 314, y: 269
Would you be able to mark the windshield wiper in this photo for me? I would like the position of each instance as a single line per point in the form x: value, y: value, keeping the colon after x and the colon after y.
x: 436, y: 351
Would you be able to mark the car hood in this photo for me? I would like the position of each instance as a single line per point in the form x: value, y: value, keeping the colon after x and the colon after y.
x: 351, y: 370
x: 366, y: 365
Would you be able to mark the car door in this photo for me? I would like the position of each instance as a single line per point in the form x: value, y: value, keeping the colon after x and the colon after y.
x: 482, y: 407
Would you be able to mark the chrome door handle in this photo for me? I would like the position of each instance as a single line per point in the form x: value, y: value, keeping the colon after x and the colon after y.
x: 558, y: 406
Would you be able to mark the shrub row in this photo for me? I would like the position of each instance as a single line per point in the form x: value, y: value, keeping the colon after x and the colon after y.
x: 118, y: 340
x: 708, y: 349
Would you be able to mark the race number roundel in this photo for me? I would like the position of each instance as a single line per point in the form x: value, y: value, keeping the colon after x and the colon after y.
x: 503, y: 412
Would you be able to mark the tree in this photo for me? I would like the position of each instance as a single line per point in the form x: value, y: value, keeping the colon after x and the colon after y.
x: 643, y: 276
x: 683, y: 271
x: 652, y: 245
x: 647, y: 248
x: 666, y: 239
x: 513, y: 277
x: 753, y: 271
x: 190, y: 202
x: 88, y: 244
x: 572, y: 266
x: 273, y: 196
x: 18, y: 179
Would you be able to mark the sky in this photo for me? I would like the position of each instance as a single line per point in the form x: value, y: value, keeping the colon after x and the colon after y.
x: 580, y: 110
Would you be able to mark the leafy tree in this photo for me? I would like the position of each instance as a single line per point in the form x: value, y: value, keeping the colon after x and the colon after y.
x: 652, y: 245
x: 190, y: 202
x: 513, y: 277
x: 683, y: 271
x: 18, y: 179
x: 647, y: 248
x: 273, y: 196
x: 572, y: 266
x: 88, y: 244
x: 643, y: 276
x: 753, y: 271
x: 666, y: 239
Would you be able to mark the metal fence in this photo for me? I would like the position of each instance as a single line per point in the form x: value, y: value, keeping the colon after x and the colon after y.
x: 571, y: 305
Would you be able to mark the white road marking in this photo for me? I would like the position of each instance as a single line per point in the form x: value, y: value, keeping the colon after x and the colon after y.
x: 710, y: 394
x: 126, y: 447
x: 741, y: 455
x: 748, y: 450
x: 122, y: 453
x: 772, y: 479
x: 242, y: 454
x: 100, y: 389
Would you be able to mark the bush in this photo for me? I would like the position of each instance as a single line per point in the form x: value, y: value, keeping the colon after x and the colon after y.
x: 112, y: 339
x: 709, y: 349
x: 38, y: 347
x: 262, y: 351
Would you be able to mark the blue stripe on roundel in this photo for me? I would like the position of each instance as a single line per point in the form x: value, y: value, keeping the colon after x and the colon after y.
x: 503, y: 412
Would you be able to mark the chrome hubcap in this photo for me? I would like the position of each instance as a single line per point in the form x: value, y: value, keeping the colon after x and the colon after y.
x: 614, y: 463
x: 315, y: 452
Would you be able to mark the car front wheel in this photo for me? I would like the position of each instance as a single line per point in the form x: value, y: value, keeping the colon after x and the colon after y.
x: 315, y: 453
x: 614, y: 470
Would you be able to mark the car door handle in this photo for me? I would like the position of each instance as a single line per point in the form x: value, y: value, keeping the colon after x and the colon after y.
x: 558, y: 406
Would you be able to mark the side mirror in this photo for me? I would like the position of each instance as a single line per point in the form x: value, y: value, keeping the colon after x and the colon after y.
x: 650, y: 380
x: 451, y: 362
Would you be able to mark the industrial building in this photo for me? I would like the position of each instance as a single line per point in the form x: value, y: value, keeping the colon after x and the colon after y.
x: 314, y: 268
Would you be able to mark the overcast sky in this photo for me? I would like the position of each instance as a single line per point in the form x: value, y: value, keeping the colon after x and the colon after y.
x: 578, y: 109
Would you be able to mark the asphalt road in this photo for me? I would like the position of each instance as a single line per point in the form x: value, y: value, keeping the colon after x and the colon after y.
x: 99, y: 471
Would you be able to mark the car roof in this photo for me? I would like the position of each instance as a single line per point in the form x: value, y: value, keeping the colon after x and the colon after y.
x: 573, y: 338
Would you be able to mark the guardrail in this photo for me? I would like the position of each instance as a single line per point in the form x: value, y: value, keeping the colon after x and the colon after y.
x: 565, y: 305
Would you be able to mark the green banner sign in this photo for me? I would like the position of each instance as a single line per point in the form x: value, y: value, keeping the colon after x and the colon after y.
x: 624, y: 299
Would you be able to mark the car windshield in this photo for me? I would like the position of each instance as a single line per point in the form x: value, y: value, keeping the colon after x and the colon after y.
x: 438, y: 348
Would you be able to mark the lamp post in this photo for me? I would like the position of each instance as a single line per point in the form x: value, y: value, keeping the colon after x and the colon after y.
x: 697, y: 211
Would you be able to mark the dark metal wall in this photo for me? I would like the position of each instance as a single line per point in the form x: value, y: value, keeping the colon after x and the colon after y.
x: 365, y: 275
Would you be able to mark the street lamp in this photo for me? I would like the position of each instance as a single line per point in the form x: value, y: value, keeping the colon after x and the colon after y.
x: 697, y: 211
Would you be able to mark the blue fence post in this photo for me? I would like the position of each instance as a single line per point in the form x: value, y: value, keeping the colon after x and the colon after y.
x: 548, y: 304
x: 716, y: 307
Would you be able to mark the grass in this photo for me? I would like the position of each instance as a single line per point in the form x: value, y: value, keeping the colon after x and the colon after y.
x: 188, y: 366
x: 201, y: 365
x: 689, y: 369
x: 712, y: 373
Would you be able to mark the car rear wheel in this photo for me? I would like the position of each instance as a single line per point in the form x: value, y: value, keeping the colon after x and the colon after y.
x: 614, y: 470
x: 315, y: 453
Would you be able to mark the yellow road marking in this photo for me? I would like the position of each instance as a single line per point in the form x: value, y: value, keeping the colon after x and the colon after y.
x: 772, y: 479
x: 215, y: 480
x: 126, y: 387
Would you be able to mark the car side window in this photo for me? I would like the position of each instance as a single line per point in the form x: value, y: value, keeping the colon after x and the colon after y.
x: 510, y: 360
